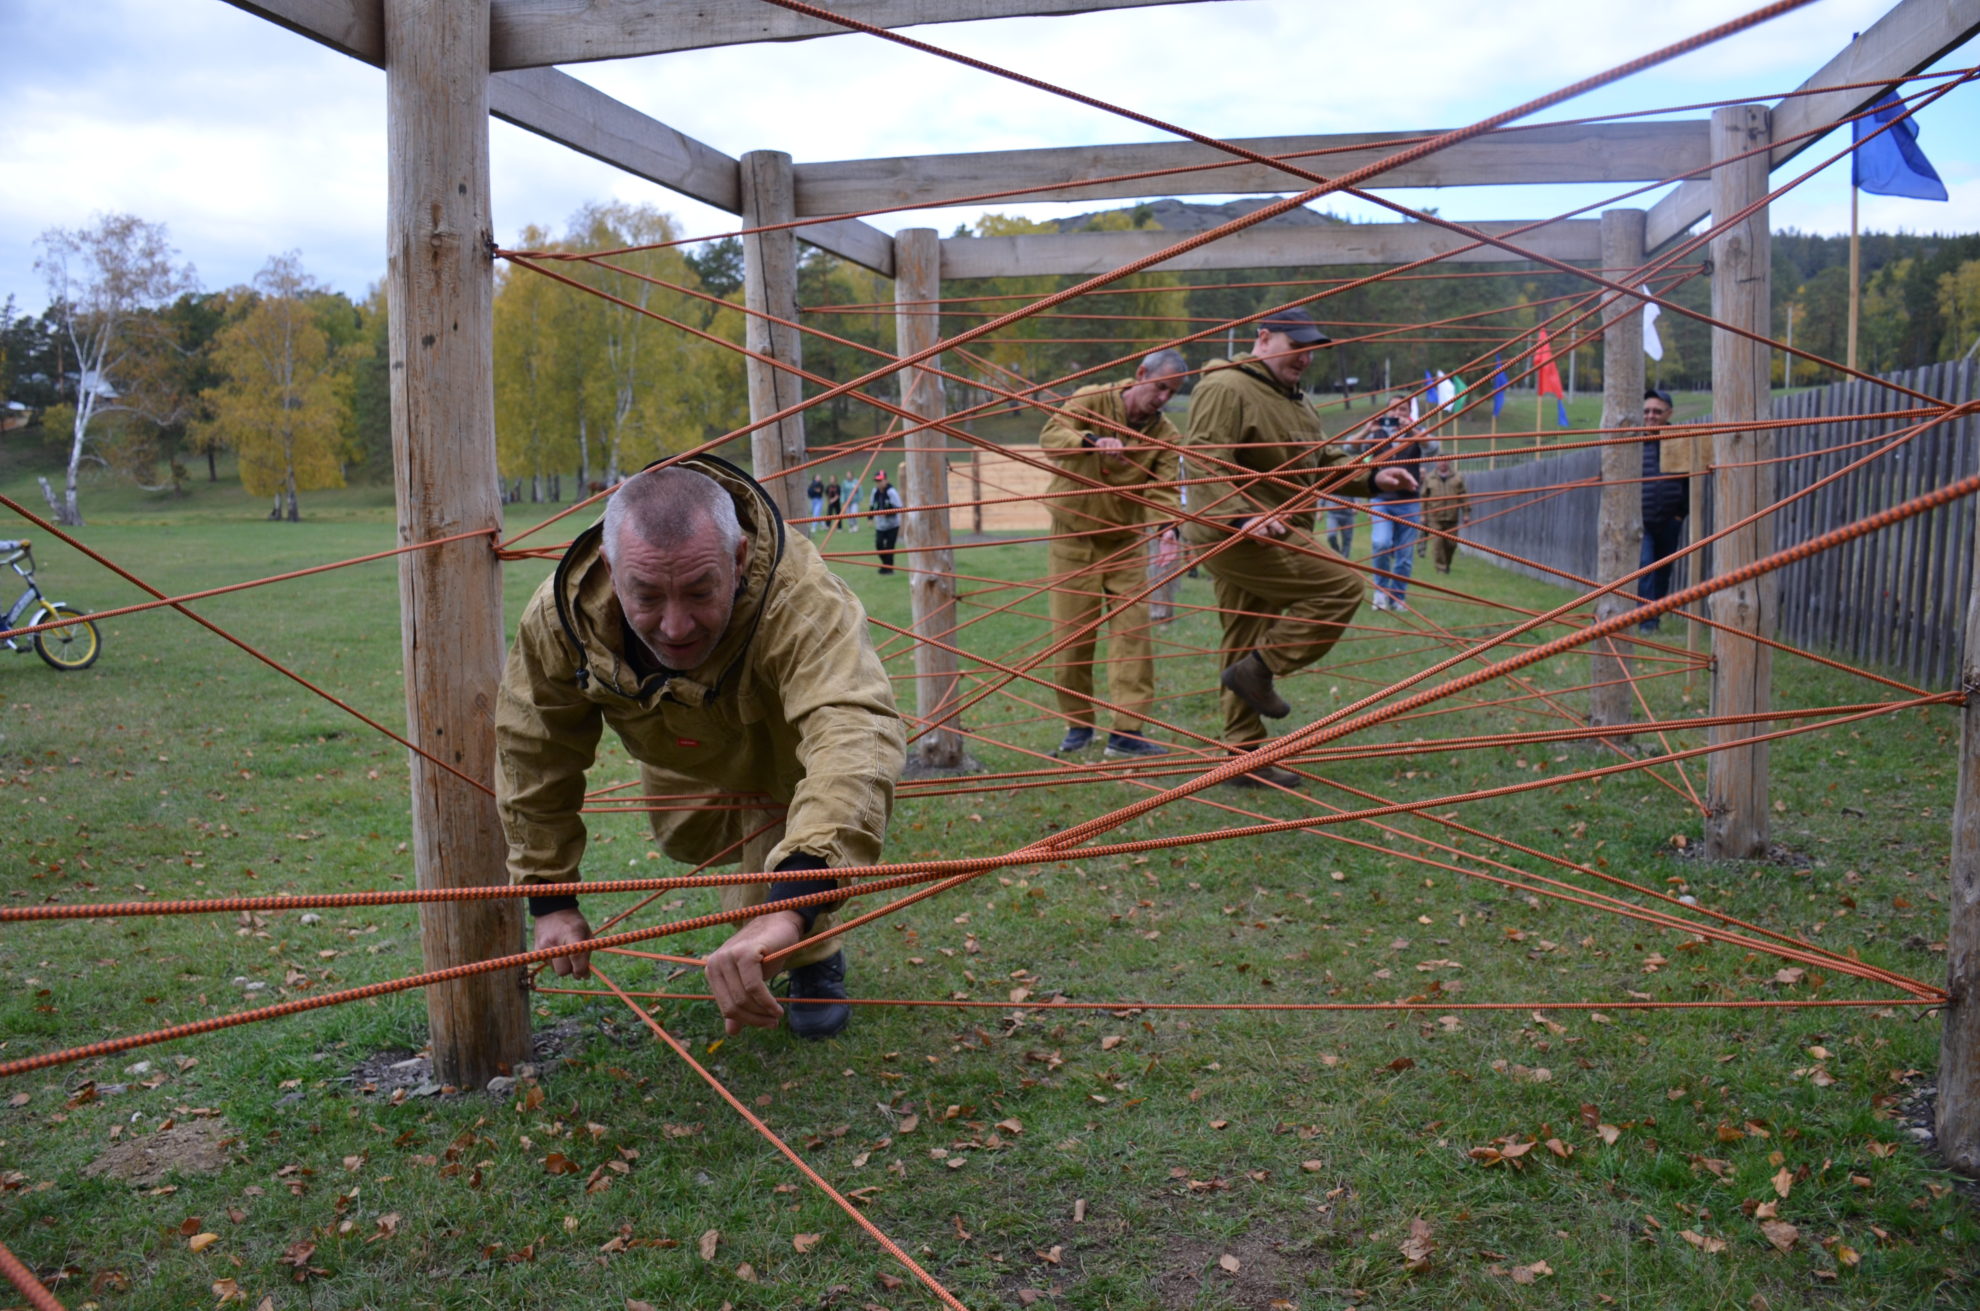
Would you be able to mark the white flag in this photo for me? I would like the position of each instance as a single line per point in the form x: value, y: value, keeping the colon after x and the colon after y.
x: 1653, y: 345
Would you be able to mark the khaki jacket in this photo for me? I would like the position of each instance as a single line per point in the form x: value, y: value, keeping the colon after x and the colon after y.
x: 1445, y: 499
x: 1149, y: 470
x: 791, y: 708
x: 1241, y: 415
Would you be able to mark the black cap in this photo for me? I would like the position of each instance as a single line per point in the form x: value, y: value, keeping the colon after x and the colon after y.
x: 1658, y: 394
x: 1297, y: 324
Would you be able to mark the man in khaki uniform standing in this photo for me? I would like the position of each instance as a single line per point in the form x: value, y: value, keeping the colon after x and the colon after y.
x: 1259, y: 449
x: 1105, y: 438
x: 1446, y: 505
x: 729, y: 660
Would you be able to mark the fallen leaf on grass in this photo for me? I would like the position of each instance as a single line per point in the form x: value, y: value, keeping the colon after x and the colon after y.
x: 805, y: 1242
x: 1526, y: 1274
x: 709, y: 1241
x: 634, y: 1304
x: 1783, y: 1180
x: 228, y: 1290
x: 200, y: 1242
x: 1701, y: 1241
x: 746, y: 1272
x: 388, y: 1225
x: 1416, y: 1249
x: 1780, y: 1233
x: 1230, y: 1264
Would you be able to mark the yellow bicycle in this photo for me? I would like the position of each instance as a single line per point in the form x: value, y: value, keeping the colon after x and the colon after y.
x: 73, y: 643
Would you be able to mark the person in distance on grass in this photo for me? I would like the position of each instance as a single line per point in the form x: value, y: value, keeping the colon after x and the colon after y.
x: 886, y: 506
x: 1259, y: 450
x: 1666, y: 498
x: 728, y: 659
x: 1446, y: 505
x: 1112, y: 436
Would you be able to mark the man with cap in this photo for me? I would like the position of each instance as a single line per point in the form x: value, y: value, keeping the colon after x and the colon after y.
x: 1666, y: 498
x: 1260, y: 457
x: 1115, y: 456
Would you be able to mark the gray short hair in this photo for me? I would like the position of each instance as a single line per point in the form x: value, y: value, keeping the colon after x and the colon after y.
x: 669, y: 507
x: 1165, y: 361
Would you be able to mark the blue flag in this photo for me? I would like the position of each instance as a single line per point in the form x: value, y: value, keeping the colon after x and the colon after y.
x: 1890, y: 163
x: 1499, y: 385
x: 1560, y: 410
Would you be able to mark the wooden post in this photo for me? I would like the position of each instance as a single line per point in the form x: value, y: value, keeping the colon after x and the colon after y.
x: 1958, y: 1112
x: 770, y: 287
x: 1619, y: 536
x: 440, y: 288
x: 925, y: 533
x: 1736, y: 826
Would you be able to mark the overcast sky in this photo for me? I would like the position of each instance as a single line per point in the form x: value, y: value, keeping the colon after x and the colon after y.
x: 247, y: 140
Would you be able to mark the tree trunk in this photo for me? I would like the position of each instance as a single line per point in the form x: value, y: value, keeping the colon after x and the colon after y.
x: 212, y: 466
x: 71, y: 514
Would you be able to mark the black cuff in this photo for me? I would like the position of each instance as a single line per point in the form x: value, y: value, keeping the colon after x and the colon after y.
x: 784, y: 889
x: 541, y: 906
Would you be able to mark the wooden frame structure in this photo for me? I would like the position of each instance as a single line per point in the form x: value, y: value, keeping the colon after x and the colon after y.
x: 451, y: 63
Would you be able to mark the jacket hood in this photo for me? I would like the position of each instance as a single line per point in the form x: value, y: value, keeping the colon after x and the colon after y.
x: 593, y: 622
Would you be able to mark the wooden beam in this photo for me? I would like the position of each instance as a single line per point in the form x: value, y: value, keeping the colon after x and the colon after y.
x: 350, y: 27
x: 531, y: 33
x: 1255, y: 248
x: 1737, y: 821
x: 1910, y: 37
x: 770, y: 287
x: 1619, y: 528
x: 572, y: 113
x: 576, y: 114
x: 1602, y: 152
x: 931, y: 562
x: 440, y: 286
x: 855, y: 240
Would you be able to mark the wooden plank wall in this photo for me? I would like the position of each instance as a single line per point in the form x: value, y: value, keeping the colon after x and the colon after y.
x: 1545, y: 510
x: 1895, y: 600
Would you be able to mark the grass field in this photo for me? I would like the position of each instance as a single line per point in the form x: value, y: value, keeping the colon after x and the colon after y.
x: 1125, y: 1157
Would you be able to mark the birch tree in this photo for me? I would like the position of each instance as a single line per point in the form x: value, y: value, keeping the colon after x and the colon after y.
x: 105, y: 284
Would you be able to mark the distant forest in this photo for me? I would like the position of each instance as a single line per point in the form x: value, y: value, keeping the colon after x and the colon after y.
x: 585, y: 388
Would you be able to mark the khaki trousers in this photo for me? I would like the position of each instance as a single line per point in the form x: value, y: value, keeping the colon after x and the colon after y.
x: 1446, y: 547
x: 735, y: 896
x: 1287, y: 605
x: 1091, y: 576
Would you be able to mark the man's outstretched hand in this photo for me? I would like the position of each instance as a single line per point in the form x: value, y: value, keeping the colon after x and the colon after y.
x: 561, y: 928
x: 1395, y: 479
x: 735, y: 970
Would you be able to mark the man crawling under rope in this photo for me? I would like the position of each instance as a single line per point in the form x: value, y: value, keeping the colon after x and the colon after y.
x: 728, y: 659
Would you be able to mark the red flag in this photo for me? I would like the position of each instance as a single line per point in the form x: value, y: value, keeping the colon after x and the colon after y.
x: 1549, y: 375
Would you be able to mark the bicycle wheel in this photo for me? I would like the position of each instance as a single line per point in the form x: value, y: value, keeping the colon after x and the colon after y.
x: 75, y: 645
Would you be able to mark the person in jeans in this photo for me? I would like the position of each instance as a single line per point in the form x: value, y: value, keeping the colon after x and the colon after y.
x: 1396, y: 518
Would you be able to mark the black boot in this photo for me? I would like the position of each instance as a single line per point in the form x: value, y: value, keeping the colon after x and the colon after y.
x: 1251, y: 682
x: 827, y: 980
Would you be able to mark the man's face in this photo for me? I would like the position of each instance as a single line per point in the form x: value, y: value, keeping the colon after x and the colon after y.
x: 1444, y: 468
x: 1285, y: 358
x: 1655, y: 412
x: 678, y: 602
x: 1148, y: 393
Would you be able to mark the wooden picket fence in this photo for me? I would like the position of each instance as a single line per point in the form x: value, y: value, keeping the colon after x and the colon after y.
x: 1896, y: 599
